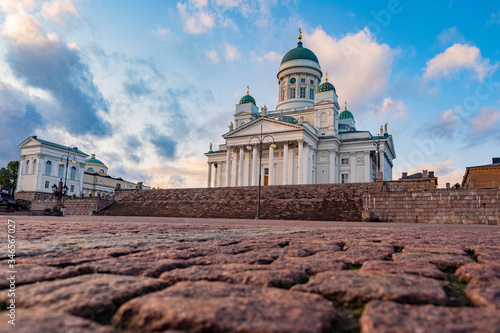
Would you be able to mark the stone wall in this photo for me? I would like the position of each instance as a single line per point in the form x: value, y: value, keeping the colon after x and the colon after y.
x: 395, y: 201
x: 76, y: 206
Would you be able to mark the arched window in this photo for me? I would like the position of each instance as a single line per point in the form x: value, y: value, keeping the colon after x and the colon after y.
x: 73, y: 173
x: 60, y: 173
x: 48, y: 168
x: 90, y: 169
x: 27, y: 169
x: 101, y: 170
x: 323, y: 120
x: 34, y: 166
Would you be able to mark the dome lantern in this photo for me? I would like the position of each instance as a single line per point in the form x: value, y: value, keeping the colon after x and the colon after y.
x: 247, y: 98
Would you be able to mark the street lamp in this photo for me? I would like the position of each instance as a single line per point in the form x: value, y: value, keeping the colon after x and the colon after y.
x: 261, y: 139
x: 64, y: 189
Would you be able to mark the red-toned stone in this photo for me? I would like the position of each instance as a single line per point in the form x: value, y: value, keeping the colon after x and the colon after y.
x: 43, y: 320
x: 311, y: 265
x: 391, y: 317
x: 221, y: 307
x: 362, y: 286
x: 405, y: 267
x: 443, y: 261
x: 135, y: 266
x: 262, y: 275
x: 478, y: 272
x: 484, y: 293
x: 95, y: 296
x: 35, y: 273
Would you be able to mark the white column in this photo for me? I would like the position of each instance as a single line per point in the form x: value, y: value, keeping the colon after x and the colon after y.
x: 285, y: 163
x: 367, y: 166
x: 353, y: 167
x: 271, y: 165
x: 209, y: 182
x: 255, y: 166
x: 220, y: 174
x: 248, y: 181
x: 240, y: 176
x: 382, y: 162
x: 216, y: 167
x: 300, y: 172
x: 228, y: 167
x: 332, y: 167
x: 307, y: 155
x: 40, y: 165
x: 337, y: 166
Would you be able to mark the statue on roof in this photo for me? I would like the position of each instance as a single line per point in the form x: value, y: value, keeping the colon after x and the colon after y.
x: 385, y: 128
x: 231, y: 127
x: 263, y: 110
x: 300, y: 119
x: 381, y: 130
x: 210, y: 146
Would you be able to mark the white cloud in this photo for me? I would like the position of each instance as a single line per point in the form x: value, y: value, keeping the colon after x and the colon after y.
x: 53, y: 10
x: 459, y: 57
x: 160, y: 31
x: 213, y: 56
x: 271, y: 57
x: 199, y: 3
x: 450, y: 35
x: 486, y: 119
x: 357, y: 65
x: 390, y: 108
x: 494, y: 19
x: 228, y: 3
x: 15, y: 6
x: 197, y: 22
x: 231, y: 52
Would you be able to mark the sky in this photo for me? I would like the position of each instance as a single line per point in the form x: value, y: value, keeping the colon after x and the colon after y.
x: 147, y: 85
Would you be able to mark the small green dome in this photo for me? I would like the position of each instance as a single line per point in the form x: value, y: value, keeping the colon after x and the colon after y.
x: 247, y: 98
x: 299, y: 52
x: 346, y: 115
x: 94, y: 160
x: 326, y: 86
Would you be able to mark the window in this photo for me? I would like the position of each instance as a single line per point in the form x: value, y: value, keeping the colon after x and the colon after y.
x: 345, y: 161
x: 302, y: 80
x: 292, y: 92
x: 302, y: 92
x: 283, y: 95
x: 72, y: 189
x: 102, y: 170
x: 34, y: 166
x: 27, y: 168
x: 311, y: 93
x: 323, y: 120
x: 47, y: 184
x: 60, y: 173
x: 48, y: 168
x: 90, y: 169
x: 72, y: 174
x: 311, y: 82
x: 345, y: 178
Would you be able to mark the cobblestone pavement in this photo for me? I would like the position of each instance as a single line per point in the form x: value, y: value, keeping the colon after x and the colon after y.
x: 132, y: 274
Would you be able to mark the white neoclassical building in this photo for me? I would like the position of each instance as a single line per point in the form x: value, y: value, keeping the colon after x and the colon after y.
x: 306, y: 140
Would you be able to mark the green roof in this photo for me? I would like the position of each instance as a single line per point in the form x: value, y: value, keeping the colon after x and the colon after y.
x: 247, y: 99
x: 74, y: 150
x: 326, y: 86
x: 299, y: 52
x: 346, y: 115
x: 94, y: 160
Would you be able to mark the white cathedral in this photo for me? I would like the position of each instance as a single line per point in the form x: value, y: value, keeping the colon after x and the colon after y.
x: 306, y: 140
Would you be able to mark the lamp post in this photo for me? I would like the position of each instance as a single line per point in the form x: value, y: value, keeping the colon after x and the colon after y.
x: 65, y: 188
x: 260, y: 139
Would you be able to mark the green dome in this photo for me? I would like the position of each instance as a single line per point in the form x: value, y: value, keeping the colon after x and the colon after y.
x: 346, y: 114
x: 94, y: 160
x: 326, y: 86
x: 247, y: 99
x: 299, y: 53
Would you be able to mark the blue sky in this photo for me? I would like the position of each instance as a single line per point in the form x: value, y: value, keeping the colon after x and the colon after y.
x: 147, y: 85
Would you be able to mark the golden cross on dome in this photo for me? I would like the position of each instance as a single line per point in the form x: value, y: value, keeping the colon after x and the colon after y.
x: 300, y: 34
x: 345, y: 106
x: 326, y: 80
x: 248, y: 90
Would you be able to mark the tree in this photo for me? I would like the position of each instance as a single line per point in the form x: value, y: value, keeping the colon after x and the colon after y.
x: 457, y: 185
x: 8, y: 175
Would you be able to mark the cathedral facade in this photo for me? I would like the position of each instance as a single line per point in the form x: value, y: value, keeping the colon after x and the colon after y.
x: 308, y: 139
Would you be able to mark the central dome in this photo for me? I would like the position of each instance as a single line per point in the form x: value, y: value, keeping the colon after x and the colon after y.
x: 299, y: 52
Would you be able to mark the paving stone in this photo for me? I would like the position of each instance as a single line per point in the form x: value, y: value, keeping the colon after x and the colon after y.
x: 484, y: 293
x: 478, y: 272
x: 95, y: 296
x: 489, y: 254
x: 352, y: 257
x: 443, y: 261
x: 362, y: 286
x: 405, y: 267
x: 261, y: 275
x: 311, y: 265
x: 136, y: 266
x: 221, y: 307
x: 35, y: 273
x: 253, y: 257
x: 391, y: 317
x: 76, y: 257
x: 43, y: 320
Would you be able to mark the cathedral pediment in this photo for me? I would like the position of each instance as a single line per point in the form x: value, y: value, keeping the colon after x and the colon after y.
x: 268, y: 126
